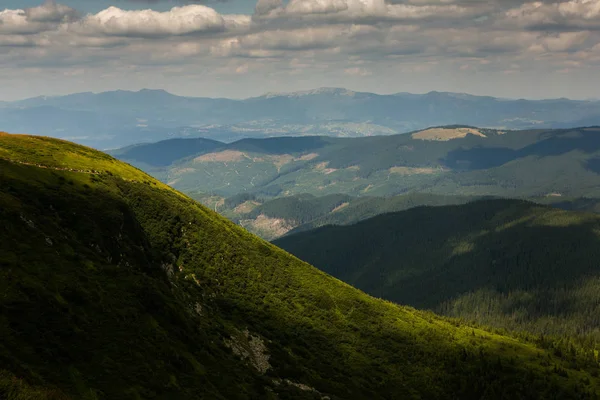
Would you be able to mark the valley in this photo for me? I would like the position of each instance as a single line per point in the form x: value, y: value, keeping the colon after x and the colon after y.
x: 438, y: 166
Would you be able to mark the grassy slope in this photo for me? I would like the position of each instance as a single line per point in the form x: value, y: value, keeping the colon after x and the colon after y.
x: 114, y: 286
x: 509, y: 264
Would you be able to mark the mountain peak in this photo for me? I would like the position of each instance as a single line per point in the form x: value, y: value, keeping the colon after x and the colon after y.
x: 155, y: 91
x: 322, y: 90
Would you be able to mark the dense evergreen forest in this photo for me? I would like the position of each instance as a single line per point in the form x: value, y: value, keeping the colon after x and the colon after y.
x: 509, y: 264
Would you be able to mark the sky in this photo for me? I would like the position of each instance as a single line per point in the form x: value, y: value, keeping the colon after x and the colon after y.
x: 241, y: 48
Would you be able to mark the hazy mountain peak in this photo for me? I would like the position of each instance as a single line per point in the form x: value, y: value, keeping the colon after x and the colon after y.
x: 312, y: 92
x: 154, y: 91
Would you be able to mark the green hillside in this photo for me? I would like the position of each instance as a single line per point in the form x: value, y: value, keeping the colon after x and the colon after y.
x: 454, y: 160
x: 166, y: 152
x: 273, y: 218
x: 361, y: 208
x: 503, y: 263
x: 116, y: 287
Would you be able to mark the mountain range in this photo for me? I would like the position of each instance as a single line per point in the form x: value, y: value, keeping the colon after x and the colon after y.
x: 115, y: 119
x: 116, y: 286
x: 453, y: 160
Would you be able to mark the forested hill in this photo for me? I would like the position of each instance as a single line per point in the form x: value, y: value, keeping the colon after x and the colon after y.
x: 505, y: 263
x: 454, y: 160
x: 114, y: 286
x: 273, y: 218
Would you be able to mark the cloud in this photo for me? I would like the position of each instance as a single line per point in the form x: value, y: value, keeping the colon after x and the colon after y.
x: 178, y: 21
x: 561, y: 42
x: 361, y: 11
x: 331, y: 38
x: 357, y: 71
x: 36, y: 19
x: 572, y: 14
x: 264, y: 7
x: 50, y: 11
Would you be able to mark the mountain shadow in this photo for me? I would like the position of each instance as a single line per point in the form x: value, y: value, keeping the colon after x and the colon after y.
x: 554, y: 143
x: 497, y: 250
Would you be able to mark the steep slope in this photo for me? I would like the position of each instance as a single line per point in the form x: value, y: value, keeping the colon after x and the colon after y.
x: 114, y: 286
x: 509, y: 264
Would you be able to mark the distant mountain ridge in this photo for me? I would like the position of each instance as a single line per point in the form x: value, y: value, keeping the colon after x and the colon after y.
x: 120, y: 118
x: 451, y: 160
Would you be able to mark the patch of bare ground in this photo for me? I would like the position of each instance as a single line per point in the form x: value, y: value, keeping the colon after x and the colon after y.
x: 322, y: 167
x: 251, y: 348
x: 220, y: 203
x: 272, y: 227
x: 415, y: 170
x: 279, y: 160
x: 246, y: 207
x: 222, y: 156
x: 338, y: 208
x: 367, y: 188
x: 444, y: 134
x: 307, y: 157
x: 300, y: 386
x: 283, y: 159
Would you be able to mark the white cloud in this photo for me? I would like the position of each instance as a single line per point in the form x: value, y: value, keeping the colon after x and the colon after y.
x: 15, y: 21
x: 370, y: 10
x: 357, y: 71
x: 343, y: 38
x: 148, y: 23
x: 36, y: 19
x: 572, y: 13
x: 51, y: 12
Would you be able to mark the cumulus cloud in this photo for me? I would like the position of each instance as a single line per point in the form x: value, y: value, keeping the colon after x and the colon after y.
x: 148, y: 23
x: 36, y: 19
x: 565, y: 14
x: 50, y: 11
x: 296, y: 36
x: 264, y: 7
x: 363, y: 11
